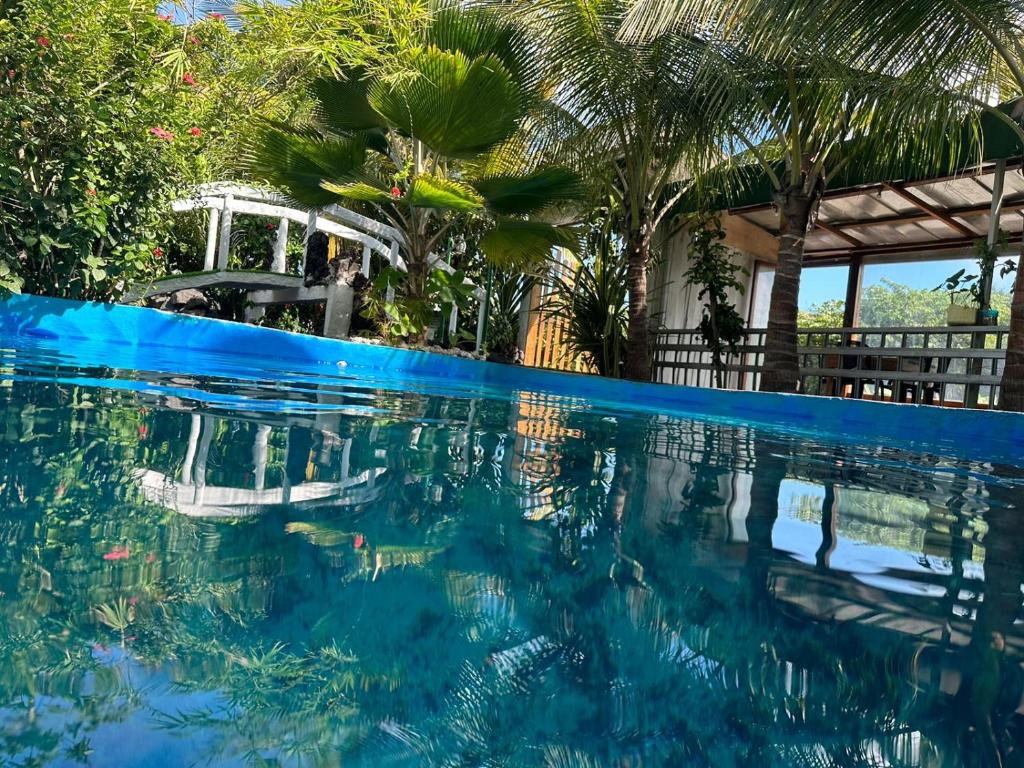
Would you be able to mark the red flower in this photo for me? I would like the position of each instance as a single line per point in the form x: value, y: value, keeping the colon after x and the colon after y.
x: 194, y: 40
x: 270, y: 227
x: 164, y: 17
x: 359, y: 541
x: 143, y: 429
x: 216, y: 16
x: 195, y: 131
x: 44, y: 42
x: 90, y: 192
x: 162, y: 133
x: 396, y: 192
x: 188, y: 79
x: 10, y: 74
x: 117, y: 553
x: 158, y: 252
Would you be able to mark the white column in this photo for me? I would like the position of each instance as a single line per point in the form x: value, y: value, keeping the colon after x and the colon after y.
x: 310, y: 230
x: 190, y: 453
x: 259, y: 455
x: 211, y: 241
x: 480, y: 319
x: 225, y: 234
x: 390, y: 297
x: 279, y: 263
x: 338, y: 315
x: 453, y: 321
x: 365, y: 269
x: 346, y: 458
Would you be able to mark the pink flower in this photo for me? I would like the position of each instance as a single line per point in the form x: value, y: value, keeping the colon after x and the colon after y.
x: 194, y: 40
x: 158, y: 252
x: 164, y: 17
x: 143, y: 429
x: 396, y: 192
x: 131, y: 639
x: 117, y: 553
x: 195, y: 131
x: 216, y: 16
x: 188, y: 79
x: 44, y: 42
x: 133, y: 600
x: 359, y: 541
x: 162, y: 133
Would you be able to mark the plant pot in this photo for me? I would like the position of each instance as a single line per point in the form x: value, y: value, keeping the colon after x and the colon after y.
x: 957, y: 314
x: 989, y: 317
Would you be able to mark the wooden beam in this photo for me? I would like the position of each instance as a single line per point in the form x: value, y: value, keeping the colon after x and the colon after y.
x: 983, y: 209
x: 839, y: 233
x: 745, y: 236
x: 931, y: 210
x: 956, y: 243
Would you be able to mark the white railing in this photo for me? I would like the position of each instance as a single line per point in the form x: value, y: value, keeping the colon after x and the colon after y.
x: 960, y: 365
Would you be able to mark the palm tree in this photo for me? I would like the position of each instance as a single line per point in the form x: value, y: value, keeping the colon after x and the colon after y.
x: 634, y: 123
x: 427, y: 139
x: 807, y: 111
x: 976, y: 48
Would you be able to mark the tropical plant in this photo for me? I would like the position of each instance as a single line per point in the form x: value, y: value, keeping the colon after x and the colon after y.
x: 714, y: 272
x: 412, y: 144
x: 635, y: 123
x: 805, y: 112
x: 510, y: 290
x: 589, y: 296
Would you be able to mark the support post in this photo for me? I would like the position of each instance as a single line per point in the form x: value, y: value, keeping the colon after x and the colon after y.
x: 211, y: 241
x: 225, y: 234
x: 310, y: 231
x: 279, y: 264
x: 390, y: 296
x: 364, y: 269
x: 854, y: 284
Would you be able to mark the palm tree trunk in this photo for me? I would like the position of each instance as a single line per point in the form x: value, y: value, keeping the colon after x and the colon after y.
x: 781, y: 371
x: 1011, y: 396
x: 638, y: 361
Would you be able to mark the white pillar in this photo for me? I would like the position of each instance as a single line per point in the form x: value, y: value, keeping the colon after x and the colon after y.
x: 453, y: 321
x: 259, y: 455
x: 310, y: 231
x: 279, y: 263
x: 211, y: 241
x: 365, y: 269
x: 190, y: 453
x: 346, y: 458
x: 480, y: 319
x: 390, y: 297
x: 225, y: 234
x: 338, y: 317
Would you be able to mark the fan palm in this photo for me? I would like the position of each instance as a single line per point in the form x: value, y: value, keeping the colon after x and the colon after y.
x: 636, y: 124
x: 429, y: 139
x: 975, y: 49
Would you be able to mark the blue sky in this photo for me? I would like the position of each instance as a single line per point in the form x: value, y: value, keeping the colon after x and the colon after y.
x: 820, y: 284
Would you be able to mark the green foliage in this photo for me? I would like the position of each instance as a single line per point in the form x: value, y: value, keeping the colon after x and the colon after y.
x: 714, y: 272
x: 827, y: 314
x: 409, y: 317
x: 590, y: 298
x: 407, y: 140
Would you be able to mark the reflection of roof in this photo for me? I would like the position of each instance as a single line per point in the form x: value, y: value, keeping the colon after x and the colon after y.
x: 214, y: 501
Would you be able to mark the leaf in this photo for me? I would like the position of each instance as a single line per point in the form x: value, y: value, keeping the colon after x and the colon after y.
x: 457, y: 106
x: 522, y: 243
x: 528, y: 193
x: 429, y: 191
x: 359, y: 191
x: 342, y: 104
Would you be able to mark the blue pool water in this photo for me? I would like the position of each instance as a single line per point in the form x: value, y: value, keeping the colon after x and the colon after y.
x: 270, y: 563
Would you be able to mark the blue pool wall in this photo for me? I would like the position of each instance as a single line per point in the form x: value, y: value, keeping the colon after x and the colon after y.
x: 126, y: 333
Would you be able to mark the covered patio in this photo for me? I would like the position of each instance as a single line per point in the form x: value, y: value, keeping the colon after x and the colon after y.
x: 864, y: 223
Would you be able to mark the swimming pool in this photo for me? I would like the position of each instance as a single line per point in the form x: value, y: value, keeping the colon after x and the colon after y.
x: 221, y: 558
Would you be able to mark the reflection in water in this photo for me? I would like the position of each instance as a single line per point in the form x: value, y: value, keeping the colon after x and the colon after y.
x: 389, y: 578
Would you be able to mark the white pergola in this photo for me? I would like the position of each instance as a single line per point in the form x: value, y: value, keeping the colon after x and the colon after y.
x: 225, y: 200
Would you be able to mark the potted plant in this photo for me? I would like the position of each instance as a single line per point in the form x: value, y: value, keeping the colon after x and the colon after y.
x: 963, y: 291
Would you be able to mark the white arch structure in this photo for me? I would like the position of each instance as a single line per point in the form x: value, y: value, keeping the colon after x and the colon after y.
x: 225, y: 200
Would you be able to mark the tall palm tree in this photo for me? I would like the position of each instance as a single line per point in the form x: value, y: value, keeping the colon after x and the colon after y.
x: 975, y: 48
x: 634, y: 123
x: 427, y: 138
x: 808, y: 110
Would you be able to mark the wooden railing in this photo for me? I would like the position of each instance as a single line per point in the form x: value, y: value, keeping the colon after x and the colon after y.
x: 941, y: 366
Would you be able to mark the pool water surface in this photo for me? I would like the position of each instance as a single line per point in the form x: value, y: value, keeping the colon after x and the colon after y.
x: 246, y: 569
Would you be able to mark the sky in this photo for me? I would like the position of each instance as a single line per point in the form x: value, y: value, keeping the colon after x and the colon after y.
x: 818, y: 284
